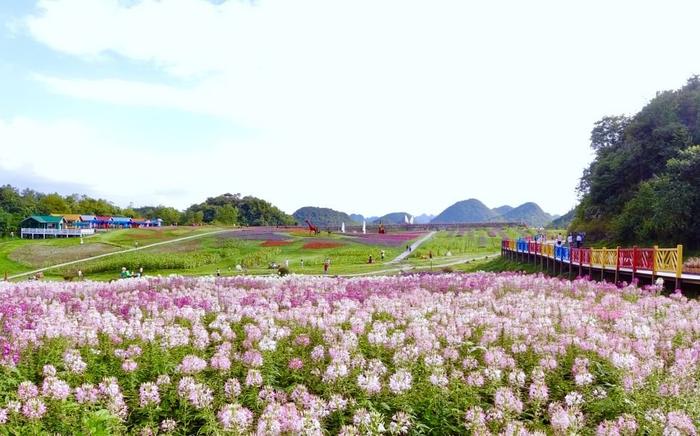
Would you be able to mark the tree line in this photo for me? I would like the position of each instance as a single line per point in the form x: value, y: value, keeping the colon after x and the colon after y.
x: 643, y: 185
x: 229, y: 209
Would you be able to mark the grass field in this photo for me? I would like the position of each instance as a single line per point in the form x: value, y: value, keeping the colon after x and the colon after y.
x: 21, y: 255
x: 254, y: 250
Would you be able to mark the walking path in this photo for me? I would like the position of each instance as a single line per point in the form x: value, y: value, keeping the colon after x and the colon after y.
x: 128, y: 250
x: 437, y: 264
x: 415, y: 245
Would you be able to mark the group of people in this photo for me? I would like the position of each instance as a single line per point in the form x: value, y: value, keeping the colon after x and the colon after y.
x: 126, y: 274
x: 571, y: 239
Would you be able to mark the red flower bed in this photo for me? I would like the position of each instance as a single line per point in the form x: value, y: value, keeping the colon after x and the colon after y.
x: 319, y: 244
x: 275, y: 243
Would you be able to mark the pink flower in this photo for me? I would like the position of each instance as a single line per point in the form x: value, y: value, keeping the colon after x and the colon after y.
x: 400, y: 381
x: 234, y: 417
x: 129, y: 365
x: 232, y: 388
x: 254, y: 378
x: 27, y: 390
x: 296, y: 364
x: 148, y: 394
x: 192, y: 364
x: 34, y: 409
x: 55, y: 388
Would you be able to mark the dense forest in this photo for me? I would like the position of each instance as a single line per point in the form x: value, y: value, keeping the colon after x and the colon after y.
x: 15, y: 205
x: 644, y: 184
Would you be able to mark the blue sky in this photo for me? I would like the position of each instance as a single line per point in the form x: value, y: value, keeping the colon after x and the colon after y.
x: 362, y: 106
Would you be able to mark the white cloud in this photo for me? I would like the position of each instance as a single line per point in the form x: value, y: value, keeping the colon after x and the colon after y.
x: 376, y: 105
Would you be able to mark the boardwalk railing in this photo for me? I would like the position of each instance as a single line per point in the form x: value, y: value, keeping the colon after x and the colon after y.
x: 56, y: 232
x: 667, y: 262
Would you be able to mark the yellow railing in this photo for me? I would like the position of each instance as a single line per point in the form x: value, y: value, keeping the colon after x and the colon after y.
x: 669, y: 260
x: 665, y: 259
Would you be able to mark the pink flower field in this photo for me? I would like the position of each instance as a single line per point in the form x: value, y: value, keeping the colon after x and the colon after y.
x: 425, y: 354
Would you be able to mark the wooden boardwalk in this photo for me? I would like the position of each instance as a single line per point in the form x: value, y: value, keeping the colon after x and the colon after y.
x: 618, y: 264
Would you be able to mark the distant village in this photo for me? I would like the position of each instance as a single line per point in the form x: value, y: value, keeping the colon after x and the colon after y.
x: 72, y: 225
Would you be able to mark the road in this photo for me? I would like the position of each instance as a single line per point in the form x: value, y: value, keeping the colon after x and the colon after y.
x: 128, y: 250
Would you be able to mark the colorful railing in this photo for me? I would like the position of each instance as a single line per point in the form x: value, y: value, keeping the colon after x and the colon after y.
x: 669, y: 260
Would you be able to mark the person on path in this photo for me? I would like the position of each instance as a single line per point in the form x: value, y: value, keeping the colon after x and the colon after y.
x: 326, y: 265
x: 140, y: 271
x: 430, y: 254
x: 370, y: 259
x: 218, y: 272
x: 80, y: 274
x: 381, y: 253
x: 286, y: 263
x: 123, y: 273
x: 302, y: 263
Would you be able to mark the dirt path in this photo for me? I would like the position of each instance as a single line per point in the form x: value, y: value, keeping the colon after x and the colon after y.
x: 415, y: 245
x: 128, y: 250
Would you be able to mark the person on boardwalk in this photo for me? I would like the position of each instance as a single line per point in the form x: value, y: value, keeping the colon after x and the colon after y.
x: 430, y: 254
x: 579, y: 240
x: 570, y: 239
x: 559, y: 240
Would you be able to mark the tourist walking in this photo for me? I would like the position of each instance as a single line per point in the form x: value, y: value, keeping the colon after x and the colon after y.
x: 370, y: 259
x: 326, y: 265
x: 579, y: 240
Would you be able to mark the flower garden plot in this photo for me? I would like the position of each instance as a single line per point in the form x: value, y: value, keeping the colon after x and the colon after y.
x: 276, y: 243
x: 255, y: 235
x: 458, y: 354
x: 387, y: 239
x: 315, y: 245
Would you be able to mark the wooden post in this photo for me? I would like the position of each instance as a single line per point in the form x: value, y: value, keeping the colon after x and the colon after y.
x: 617, y: 267
x: 634, y: 261
x: 569, y: 261
x: 580, y: 261
x: 590, y: 263
x: 602, y: 266
x: 653, y: 264
x: 679, y: 265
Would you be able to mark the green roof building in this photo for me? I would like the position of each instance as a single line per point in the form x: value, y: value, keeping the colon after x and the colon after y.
x: 42, y: 222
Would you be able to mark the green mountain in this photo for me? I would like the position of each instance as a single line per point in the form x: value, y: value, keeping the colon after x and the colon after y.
x: 502, y: 210
x: 322, y: 216
x: 564, y: 221
x: 528, y: 213
x: 467, y: 211
x: 393, y: 218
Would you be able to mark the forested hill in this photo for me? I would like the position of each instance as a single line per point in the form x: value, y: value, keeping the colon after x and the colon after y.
x: 322, y: 216
x: 644, y: 184
x: 15, y: 205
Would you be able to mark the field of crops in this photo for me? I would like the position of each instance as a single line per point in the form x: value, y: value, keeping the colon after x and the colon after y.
x: 423, y: 354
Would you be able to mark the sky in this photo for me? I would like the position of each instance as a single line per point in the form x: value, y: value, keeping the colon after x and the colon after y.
x: 365, y: 106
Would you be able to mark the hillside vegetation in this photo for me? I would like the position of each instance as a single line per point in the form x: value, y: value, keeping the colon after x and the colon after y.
x: 466, y: 211
x: 644, y: 184
x: 323, y: 216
